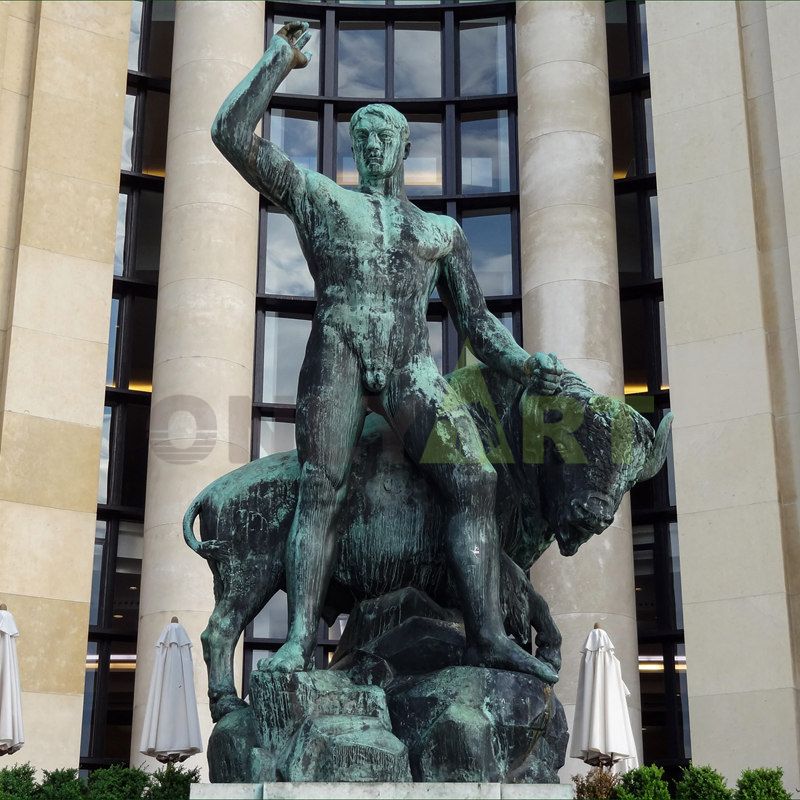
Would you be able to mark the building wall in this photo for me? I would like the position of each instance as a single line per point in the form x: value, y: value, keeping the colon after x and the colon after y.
x: 63, y: 84
x: 725, y: 199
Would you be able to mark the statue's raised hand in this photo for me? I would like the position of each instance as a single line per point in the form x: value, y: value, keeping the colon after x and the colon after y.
x: 296, y: 35
x: 543, y: 373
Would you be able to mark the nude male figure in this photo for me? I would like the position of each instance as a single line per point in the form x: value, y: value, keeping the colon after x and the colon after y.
x: 375, y: 259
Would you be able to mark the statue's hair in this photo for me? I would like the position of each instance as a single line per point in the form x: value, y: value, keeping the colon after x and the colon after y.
x: 387, y: 113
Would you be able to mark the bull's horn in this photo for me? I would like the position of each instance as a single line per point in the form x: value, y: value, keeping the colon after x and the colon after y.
x: 658, y: 450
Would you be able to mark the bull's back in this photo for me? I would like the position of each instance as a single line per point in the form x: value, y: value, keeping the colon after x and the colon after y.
x: 252, y: 507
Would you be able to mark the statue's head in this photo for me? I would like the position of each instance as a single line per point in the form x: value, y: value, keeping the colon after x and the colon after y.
x: 591, y: 450
x: 379, y: 136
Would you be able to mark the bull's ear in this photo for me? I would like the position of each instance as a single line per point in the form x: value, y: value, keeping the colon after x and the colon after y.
x: 658, y: 450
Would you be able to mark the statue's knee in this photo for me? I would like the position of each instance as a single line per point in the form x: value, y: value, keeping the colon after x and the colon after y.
x: 476, y: 485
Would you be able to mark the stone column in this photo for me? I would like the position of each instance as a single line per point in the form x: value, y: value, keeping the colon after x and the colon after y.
x: 63, y: 89
x: 728, y: 202
x: 203, y: 366
x: 571, y: 293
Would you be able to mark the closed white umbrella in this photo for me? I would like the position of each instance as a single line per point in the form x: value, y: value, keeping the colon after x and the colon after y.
x: 602, y: 733
x: 12, y: 737
x: 171, y: 725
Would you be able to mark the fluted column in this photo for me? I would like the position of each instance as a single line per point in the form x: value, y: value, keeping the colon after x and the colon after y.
x: 571, y: 292
x: 203, y: 366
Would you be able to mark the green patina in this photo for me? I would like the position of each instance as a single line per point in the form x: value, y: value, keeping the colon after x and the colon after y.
x: 452, y: 488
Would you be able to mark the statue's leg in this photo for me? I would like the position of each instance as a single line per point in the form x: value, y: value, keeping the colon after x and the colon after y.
x: 548, y: 637
x: 440, y: 435
x: 330, y: 416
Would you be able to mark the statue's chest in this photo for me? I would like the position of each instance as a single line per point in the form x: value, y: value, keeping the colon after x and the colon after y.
x: 367, y: 229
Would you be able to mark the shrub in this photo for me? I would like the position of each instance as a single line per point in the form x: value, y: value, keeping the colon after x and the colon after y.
x: 17, y: 783
x: 171, y: 783
x: 702, y: 783
x: 61, y: 784
x: 597, y: 784
x: 117, y: 783
x: 643, y: 783
x: 761, y: 784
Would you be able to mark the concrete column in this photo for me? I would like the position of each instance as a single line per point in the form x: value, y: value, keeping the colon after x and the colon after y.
x: 735, y: 387
x: 63, y: 89
x: 571, y: 293
x: 203, y: 366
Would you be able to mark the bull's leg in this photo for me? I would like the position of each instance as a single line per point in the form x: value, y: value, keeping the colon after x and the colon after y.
x: 548, y: 637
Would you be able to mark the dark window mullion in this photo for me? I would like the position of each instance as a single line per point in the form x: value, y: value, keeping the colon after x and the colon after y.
x: 389, y: 43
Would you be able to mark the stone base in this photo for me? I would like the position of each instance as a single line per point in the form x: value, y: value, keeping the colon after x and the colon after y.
x: 381, y: 791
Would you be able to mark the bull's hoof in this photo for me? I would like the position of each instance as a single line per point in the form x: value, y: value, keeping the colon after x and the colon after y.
x: 289, y: 658
x: 224, y: 705
x: 503, y: 653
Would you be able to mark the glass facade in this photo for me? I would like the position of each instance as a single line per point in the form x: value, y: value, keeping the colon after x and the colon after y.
x: 116, y: 574
x: 659, y: 613
x: 462, y: 122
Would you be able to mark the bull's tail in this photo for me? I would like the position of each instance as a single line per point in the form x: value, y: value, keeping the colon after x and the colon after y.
x: 188, y: 525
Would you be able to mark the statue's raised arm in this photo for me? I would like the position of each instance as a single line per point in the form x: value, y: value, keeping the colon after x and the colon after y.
x: 264, y: 165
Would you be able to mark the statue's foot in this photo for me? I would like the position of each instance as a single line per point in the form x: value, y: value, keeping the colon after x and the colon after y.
x: 289, y: 658
x: 503, y: 653
x: 551, y: 656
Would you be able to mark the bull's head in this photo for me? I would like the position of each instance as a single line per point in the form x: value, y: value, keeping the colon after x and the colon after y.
x: 586, y: 451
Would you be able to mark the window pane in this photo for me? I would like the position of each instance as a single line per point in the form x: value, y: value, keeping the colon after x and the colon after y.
x: 127, y: 577
x: 126, y: 158
x: 619, y: 65
x: 654, y: 702
x: 622, y: 144
x: 272, y: 620
x: 346, y: 173
x: 675, y: 573
x: 135, y: 35
x: 648, y: 130
x: 423, y: 167
x: 141, y: 333
x: 489, y: 237
x: 683, y: 699
x: 119, y: 710
x: 655, y: 228
x: 436, y: 340
x: 484, y: 71
x: 105, y: 449
x: 662, y: 333
x: 295, y: 132
x: 113, y: 331
x: 336, y: 630
x: 119, y: 243
x: 162, y: 27
x: 154, y: 136
x: 362, y: 59
x: 97, y: 572
x: 629, y: 253
x: 148, y: 236
x: 284, y: 348
x: 644, y: 576
x: 642, y: 9
x: 134, y: 466
x: 285, y: 270
x: 89, y: 684
x: 634, y: 346
x: 276, y: 436
x: 306, y: 80
x: 484, y: 152
x: 417, y: 59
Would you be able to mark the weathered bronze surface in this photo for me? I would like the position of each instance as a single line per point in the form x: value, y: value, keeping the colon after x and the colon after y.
x: 452, y: 487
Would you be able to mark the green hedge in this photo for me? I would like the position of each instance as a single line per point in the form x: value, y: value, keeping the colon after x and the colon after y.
x: 112, y: 783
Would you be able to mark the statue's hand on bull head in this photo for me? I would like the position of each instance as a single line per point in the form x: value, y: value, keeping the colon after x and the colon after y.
x: 587, y: 450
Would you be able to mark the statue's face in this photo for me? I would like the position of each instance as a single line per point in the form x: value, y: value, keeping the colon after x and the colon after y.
x: 378, y: 148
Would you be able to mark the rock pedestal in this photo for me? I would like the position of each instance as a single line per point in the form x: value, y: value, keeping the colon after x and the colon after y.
x: 396, y: 706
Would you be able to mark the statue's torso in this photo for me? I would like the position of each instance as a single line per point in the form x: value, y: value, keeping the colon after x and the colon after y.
x: 375, y: 261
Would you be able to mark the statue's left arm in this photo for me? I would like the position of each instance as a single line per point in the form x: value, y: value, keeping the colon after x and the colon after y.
x: 490, y: 340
